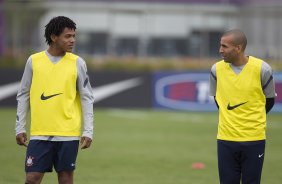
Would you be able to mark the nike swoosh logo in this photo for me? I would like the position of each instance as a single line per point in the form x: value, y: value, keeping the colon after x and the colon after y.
x: 229, y: 107
x: 100, y: 92
x: 260, y: 155
x: 50, y: 96
x: 105, y: 91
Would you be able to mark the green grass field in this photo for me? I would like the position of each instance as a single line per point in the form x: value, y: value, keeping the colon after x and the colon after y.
x: 143, y: 147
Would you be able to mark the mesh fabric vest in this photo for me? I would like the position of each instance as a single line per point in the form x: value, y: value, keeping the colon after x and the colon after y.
x: 54, y: 100
x: 241, y: 101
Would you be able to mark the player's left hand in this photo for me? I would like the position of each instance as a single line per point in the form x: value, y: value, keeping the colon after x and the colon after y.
x: 85, y: 142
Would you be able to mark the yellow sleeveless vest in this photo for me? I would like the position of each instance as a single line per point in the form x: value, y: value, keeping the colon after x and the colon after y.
x: 54, y: 101
x: 241, y: 101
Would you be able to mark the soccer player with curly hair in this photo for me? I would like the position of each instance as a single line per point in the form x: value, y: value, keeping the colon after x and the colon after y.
x: 56, y: 89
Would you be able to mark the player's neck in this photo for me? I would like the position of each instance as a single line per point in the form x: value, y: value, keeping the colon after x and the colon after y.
x: 242, y: 60
x: 52, y: 50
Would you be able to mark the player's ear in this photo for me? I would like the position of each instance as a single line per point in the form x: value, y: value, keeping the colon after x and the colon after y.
x: 53, y: 38
x: 240, y: 47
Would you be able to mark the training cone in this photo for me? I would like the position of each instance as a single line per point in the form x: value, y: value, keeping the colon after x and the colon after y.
x: 198, y: 165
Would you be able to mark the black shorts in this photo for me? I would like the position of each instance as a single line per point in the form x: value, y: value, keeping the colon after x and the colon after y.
x: 240, y: 161
x: 42, y: 155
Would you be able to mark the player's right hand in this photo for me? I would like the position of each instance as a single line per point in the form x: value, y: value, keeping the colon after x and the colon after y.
x: 21, y: 139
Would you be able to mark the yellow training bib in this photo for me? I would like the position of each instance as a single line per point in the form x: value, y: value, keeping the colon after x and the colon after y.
x: 241, y: 101
x: 54, y: 101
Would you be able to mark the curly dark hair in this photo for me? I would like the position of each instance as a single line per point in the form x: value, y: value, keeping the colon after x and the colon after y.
x: 56, y: 26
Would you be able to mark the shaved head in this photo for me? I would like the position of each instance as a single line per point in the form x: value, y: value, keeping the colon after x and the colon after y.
x: 239, y: 37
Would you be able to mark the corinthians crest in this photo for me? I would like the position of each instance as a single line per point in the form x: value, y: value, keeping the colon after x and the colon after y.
x: 29, y: 161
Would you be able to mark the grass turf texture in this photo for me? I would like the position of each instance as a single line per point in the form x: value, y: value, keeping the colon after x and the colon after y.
x: 143, y: 147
